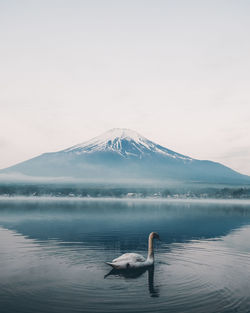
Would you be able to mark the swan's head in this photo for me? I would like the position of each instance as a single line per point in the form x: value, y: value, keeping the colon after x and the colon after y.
x: 155, y: 235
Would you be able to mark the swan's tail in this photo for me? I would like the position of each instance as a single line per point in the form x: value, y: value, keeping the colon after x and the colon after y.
x: 110, y: 264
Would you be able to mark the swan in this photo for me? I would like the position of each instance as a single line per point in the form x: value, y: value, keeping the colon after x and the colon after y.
x: 134, y: 260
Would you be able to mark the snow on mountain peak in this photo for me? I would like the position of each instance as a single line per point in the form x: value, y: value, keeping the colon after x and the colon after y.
x: 125, y: 142
x: 110, y: 140
x: 121, y: 133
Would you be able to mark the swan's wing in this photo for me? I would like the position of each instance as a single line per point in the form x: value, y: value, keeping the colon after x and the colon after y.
x: 129, y: 257
x: 128, y: 260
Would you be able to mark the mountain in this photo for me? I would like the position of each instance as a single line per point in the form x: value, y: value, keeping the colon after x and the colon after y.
x: 122, y: 155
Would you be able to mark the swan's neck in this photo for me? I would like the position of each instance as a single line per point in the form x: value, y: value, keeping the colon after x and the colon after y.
x: 150, y: 248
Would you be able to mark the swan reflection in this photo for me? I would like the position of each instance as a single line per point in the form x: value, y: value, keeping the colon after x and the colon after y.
x: 135, y: 273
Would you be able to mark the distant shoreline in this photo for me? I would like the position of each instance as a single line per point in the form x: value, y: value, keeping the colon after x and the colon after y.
x: 149, y: 199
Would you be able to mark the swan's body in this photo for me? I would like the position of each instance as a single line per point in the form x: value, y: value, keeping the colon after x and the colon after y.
x: 134, y: 260
x: 130, y: 260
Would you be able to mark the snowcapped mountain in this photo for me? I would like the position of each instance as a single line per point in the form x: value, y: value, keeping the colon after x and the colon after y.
x: 125, y: 142
x: 121, y: 155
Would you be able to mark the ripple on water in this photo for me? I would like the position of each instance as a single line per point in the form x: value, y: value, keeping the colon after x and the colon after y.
x: 53, y: 276
x: 206, y: 276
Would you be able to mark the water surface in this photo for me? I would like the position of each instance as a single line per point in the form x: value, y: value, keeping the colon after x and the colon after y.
x: 52, y: 256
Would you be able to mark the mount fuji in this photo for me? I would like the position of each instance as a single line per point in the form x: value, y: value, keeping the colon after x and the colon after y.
x: 122, y: 155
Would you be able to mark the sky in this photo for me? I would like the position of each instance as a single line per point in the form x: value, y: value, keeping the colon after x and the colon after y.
x: 178, y: 72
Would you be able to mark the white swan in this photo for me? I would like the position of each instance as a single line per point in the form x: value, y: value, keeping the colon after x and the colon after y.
x: 134, y: 260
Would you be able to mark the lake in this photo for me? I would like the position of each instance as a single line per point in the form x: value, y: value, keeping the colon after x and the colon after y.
x: 53, y: 254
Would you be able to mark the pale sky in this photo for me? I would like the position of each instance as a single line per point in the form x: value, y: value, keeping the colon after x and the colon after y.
x: 178, y: 72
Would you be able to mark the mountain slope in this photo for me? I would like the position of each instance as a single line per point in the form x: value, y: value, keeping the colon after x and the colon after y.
x: 123, y: 154
x: 126, y: 143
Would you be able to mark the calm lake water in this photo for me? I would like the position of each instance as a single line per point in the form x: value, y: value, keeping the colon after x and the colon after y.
x: 52, y: 256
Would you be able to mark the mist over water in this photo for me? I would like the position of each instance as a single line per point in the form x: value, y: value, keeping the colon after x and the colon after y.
x: 53, y: 254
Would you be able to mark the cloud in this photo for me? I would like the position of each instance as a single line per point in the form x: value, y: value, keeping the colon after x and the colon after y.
x: 18, y: 177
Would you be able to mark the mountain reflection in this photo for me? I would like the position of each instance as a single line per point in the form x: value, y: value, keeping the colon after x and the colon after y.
x: 121, y: 225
